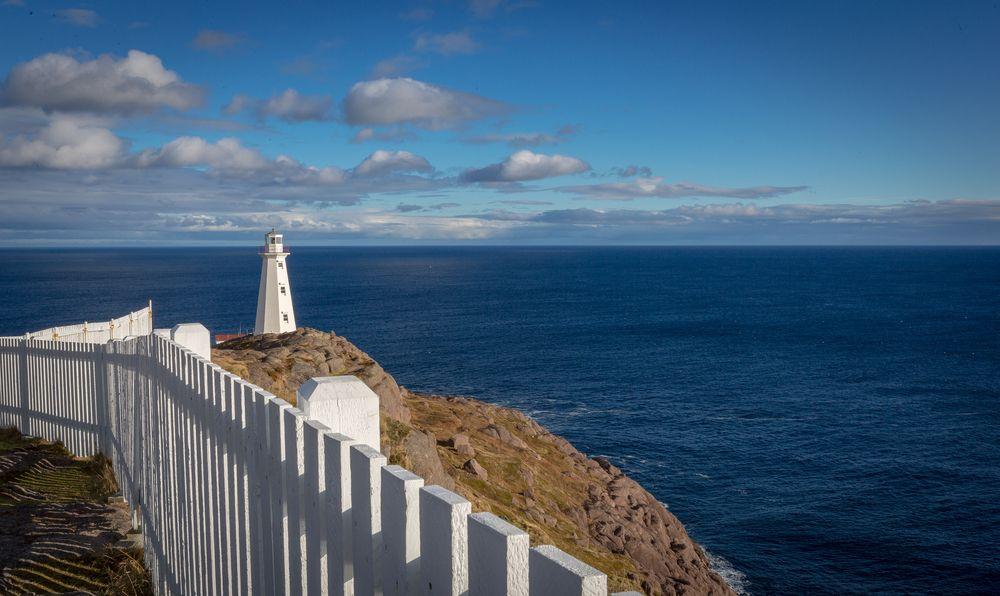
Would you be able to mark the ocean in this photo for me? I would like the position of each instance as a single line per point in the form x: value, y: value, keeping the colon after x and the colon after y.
x: 822, y: 420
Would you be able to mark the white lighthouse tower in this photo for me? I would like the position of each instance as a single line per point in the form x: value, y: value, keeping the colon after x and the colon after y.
x: 274, y: 299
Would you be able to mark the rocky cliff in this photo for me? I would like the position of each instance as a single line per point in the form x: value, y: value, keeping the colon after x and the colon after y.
x: 502, y: 461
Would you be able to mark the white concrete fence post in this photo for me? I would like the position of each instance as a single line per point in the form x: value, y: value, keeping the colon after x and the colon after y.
x: 195, y: 337
x: 344, y: 404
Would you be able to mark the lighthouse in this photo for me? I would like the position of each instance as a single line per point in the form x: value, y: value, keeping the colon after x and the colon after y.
x: 274, y: 299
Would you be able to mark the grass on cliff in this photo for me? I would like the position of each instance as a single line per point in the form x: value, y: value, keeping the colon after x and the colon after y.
x: 557, y: 489
x: 56, y: 529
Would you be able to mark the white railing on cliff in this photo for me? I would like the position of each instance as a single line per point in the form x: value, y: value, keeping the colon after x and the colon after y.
x: 238, y: 492
x: 139, y: 322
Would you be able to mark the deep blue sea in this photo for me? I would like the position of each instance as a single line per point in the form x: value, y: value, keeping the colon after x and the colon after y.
x: 823, y: 420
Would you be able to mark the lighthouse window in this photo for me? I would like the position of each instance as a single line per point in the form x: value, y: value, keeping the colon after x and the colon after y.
x: 283, y: 292
x: 281, y: 265
x: 284, y: 317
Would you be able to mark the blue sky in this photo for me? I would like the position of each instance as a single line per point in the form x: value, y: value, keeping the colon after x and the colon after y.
x: 503, y: 122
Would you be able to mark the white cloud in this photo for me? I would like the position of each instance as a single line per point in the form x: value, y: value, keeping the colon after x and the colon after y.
x: 526, y: 139
x: 78, y: 17
x: 289, y: 105
x: 227, y: 154
x: 239, y: 103
x: 632, y: 170
x: 213, y: 40
x: 411, y: 208
x: 525, y: 165
x: 446, y: 44
x: 655, y: 187
x: 484, y: 9
x: 290, y: 170
x: 386, y: 162
x: 517, y: 139
x: 136, y: 83
x: 395, y: 66
x: 292, y: 106
x: 524, y: 202
x: 64, y: 143
x: 417, y: 14
x: 405, y: 100
x: 392, y: 135
x: 22, y: 120
x: 229, y: 157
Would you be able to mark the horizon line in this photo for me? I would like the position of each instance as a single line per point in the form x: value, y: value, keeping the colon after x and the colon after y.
x: 95, y: 246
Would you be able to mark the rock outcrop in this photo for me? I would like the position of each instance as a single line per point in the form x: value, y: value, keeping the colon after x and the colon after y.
x: 280, y: 363
x: 502, y: 461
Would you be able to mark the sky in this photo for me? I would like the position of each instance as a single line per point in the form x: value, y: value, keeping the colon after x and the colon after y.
x: 500, y: 122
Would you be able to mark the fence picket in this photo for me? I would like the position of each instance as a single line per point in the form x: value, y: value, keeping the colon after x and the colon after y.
x: 366, y: 520
x: 338, y: 513
x: 313, y: 510
x: 551, y: 571
x: 443, y: 539
x: 400, y: 531
x: 292, y: 420
x: 498, y: 557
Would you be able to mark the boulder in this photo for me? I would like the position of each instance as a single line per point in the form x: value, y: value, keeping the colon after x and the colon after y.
x: 504, y: 435
x: 476, y: 469
x: 422, y: 459
x: 460, y: 443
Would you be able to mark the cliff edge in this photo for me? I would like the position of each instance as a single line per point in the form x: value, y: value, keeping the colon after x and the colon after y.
x: 503, y: 462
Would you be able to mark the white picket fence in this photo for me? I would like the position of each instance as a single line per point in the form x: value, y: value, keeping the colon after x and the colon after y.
x: 237, y: 492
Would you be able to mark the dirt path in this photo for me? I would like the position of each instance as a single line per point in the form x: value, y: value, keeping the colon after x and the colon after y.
x: 58, y: 533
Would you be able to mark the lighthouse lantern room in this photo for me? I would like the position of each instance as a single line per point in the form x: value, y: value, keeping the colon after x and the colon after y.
x: 274, y: 299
